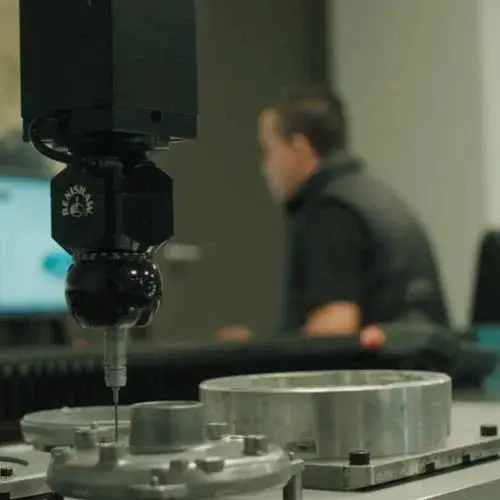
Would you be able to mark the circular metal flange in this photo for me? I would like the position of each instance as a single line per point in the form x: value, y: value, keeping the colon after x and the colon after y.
x: 50, y: 428
x: 328, y: 415
x: 170, y: 455
x: 23, y: 473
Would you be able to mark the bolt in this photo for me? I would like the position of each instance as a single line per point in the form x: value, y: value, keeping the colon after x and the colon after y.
x: 6, y: 471
x: 359, y: 458
x: 255, y: 445
x: 210, y: 465
x: 217, y: 430
x: 110, y: 453
x: 60, y: 454
x: 154, y: 481
x: 85, y: 438
x: 297, y: 465
x: 488, y: 430
x: 106, y: 434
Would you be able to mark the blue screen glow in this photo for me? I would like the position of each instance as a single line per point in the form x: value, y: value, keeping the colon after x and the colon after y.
x: 32, y: 266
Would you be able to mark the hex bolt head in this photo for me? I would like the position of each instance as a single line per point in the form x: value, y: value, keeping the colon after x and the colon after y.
x: 61, y: 454
x: 110, y: 453
x: 488, y: 430
x: 255, y: 445
x: 359, y: 458
x: 217, y: 430
x: 85, y: 438
x: 210, y: 465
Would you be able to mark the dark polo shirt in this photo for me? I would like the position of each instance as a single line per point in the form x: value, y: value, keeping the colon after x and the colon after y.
x: 349, y: 238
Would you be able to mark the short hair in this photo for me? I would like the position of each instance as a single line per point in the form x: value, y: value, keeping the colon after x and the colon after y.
x: 315, y: 112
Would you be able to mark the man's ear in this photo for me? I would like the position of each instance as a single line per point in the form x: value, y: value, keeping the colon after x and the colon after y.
x: 299, y: 142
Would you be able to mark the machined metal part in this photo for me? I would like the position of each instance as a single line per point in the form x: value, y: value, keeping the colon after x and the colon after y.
x: 23, y: 472
x: 475, y: 483
x: 50, y: 428
x: 465, y: 447
x: 481, y: 481
x: 327, y: 415
x: 172, y: 454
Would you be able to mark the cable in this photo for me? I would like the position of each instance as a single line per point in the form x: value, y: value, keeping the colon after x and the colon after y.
x: 42, y: 148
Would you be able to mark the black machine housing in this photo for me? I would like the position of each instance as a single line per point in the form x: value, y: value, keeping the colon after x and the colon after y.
x: 104, y: 83
x: 109, y: 65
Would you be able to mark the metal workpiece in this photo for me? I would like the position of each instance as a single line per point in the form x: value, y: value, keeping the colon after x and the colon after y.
x: 172, y: 454
x: 328, y: 415
x: 216, y: 430
x: 482, y: 481
x: 74, y: 426
x: 166, y: 426
x: 294, y: 489
x: 253, y: 446
x: 23, y: 473
x: 475, y: 483
x: 463, y: 450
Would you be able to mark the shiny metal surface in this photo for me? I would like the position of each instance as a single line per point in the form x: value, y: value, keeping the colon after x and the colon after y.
x: 169, y: 457
x: 165, y: 427
x: 471, y: 483
x: 46, y: 429
x: 480, y: 482
x: 23, y: 472
x: 115, y: 368
x: 327, y: 415
x: 464, y: 449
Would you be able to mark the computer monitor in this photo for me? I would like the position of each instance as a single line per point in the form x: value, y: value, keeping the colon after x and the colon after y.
x: 32, y: 266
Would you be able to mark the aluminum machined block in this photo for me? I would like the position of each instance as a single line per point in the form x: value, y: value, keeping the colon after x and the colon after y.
x: 49, y: 428
x: 329, y: 414
x: 171, y: 454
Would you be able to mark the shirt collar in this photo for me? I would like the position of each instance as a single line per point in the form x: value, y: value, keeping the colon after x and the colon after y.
x: 333, y: 166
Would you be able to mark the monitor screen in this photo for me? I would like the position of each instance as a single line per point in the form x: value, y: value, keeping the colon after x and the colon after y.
x: 32, y: 266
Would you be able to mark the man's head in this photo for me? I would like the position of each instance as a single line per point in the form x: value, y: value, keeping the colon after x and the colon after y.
x: 297, y: 133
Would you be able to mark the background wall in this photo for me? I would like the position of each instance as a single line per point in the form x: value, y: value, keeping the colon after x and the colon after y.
x: 489, y: 21
x: 222, y: 205
x: 412, y: 75
x: 12, y: 150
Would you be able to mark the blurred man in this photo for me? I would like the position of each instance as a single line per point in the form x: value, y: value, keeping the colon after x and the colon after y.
x: 356, y: 254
